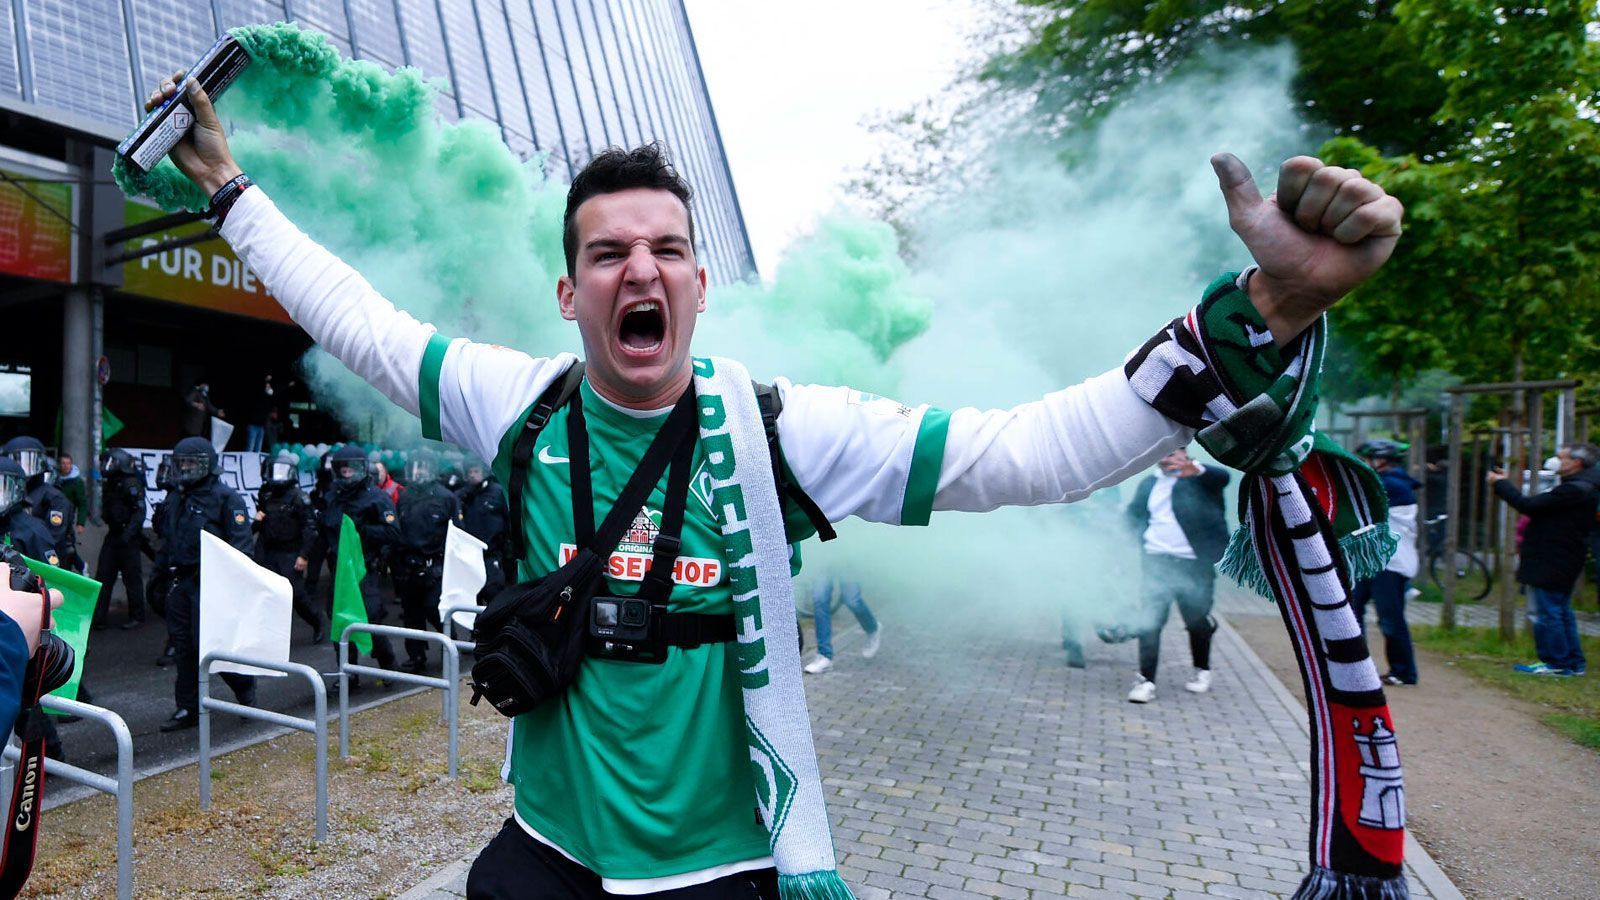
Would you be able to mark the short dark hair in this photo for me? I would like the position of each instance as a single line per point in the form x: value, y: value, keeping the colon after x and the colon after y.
x: 615, y: 169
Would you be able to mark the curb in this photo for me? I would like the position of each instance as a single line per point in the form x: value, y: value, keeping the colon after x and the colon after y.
x: 439, y: 881
x: 1422, y: 865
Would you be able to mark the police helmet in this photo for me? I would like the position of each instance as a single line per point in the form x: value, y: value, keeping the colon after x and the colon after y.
x: 194, y: 460
x: 13, y: 485
x: 421, y: 466
x: 281, y: 469
x: 349, y: 464
x: 118, y: 462
x: 30, y: 454
x: 1389, y: 451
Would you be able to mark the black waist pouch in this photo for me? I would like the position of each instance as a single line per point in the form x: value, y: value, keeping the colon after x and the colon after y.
x: 530, y: 637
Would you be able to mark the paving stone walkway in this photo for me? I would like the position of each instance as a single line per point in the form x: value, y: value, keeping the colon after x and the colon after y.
x: 966, y: 761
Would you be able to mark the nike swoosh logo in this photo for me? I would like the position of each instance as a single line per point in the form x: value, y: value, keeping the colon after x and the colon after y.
x: 546, y: 458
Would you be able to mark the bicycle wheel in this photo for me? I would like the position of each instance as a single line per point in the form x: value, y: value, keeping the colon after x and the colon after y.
x: 1472, y: 576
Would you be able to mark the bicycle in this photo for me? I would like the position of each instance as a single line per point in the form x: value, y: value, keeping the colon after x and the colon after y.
x: 1472, y: 574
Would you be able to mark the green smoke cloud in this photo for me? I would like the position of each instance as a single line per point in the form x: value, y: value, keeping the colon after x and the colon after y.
x: 1031, y: 275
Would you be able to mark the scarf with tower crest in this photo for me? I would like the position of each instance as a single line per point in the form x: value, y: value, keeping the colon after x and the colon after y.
x: 1312, y: 523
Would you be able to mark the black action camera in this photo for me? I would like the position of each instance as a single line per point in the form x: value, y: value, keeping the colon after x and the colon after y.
x: 627, y: 629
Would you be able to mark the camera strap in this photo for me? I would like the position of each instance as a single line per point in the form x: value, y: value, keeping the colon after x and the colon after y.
x: 27, y: 791
x: 673, y: 445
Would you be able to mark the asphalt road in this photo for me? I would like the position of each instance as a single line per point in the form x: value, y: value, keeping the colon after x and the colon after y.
x: 121, y: 674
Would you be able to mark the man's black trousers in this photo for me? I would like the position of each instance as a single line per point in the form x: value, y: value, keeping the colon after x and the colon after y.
x: 1188, y: 583
x: 183, y: 624
x: 419, y: 603
x: 516, y: 867
x: 282, y: 563
x: 119, y: 556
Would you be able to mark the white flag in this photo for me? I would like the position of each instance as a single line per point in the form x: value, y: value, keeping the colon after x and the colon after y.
x: 464, y: 574
x: 244, y: 609
x: 221, y: 430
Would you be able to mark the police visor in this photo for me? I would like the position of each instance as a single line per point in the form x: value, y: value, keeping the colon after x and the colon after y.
x: 13, y: 490
x: 32, y: 461
x: 188, y: 468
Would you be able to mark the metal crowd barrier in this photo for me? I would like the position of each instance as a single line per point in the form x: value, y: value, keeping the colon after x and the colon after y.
x: 448, y: 621
x: 449, y: 682
x: 317, y: 725
x: 121, y: 787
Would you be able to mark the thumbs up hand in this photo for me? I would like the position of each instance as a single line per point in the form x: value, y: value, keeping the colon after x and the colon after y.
x: 1324, y: 231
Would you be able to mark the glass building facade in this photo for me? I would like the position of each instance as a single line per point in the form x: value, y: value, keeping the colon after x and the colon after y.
x: 562, y: 77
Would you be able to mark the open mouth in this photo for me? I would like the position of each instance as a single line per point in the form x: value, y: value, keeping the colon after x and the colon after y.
x: 643, y: 327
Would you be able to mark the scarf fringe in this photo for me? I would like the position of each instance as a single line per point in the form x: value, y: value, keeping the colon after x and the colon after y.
x: 1326, y: 884
x: 814, y: 886
x: 1366, y: 552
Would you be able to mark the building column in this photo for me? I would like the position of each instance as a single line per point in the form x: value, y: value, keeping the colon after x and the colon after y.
x: 80, y: 384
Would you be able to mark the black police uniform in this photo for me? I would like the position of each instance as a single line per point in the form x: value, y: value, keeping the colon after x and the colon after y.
x: 285, y: 536
x: 320, y: 492
x: 58, y: 514
x: 31, y: 538
x: 208, y: 505
x: 426, y: 511
x: 484, y: 515
x: 122, y: 506
x: 377, y: 523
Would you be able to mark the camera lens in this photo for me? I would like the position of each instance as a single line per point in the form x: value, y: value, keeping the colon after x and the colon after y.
x: 633, y: 613
x: 605, y: 613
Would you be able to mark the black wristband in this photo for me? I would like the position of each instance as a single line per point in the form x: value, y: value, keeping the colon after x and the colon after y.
x: 223, y: 199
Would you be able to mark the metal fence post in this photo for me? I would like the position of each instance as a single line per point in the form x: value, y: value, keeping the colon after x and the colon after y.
x: 449, y: 682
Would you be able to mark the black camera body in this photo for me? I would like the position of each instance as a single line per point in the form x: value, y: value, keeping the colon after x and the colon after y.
x: 54, y: 657
x: 628, y: 629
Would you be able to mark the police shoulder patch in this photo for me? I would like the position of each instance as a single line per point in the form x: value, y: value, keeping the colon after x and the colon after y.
x: 53, y: 560
x: 238, y: 518
x: 55, y: 517
x: 388, y: 517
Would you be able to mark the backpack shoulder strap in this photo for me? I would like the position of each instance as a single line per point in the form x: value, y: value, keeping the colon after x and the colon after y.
x: 771, y: 404
x: 554, y: 397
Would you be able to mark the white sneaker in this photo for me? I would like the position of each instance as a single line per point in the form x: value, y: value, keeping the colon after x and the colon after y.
x: 818, y: 666
x: 873, y: 640
x: 1143, y: 691
x: 1200, y: 683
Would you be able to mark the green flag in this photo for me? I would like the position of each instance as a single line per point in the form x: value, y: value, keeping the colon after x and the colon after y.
x: 348, y: 606
x: 72, y: 618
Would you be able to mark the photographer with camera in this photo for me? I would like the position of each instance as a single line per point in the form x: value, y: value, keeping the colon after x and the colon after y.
x: 646, y: 651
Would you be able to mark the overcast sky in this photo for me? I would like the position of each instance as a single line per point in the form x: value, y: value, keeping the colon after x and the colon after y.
x: 792, y: 83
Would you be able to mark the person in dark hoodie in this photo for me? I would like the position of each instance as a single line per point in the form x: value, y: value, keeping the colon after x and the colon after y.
x: 1387, y: 589
x: 1553, y: 550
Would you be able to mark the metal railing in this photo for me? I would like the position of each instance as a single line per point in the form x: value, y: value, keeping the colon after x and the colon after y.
x: 120, y: 787
x: 449, y: 682
x: 449, y: 626
x: 317, y: 725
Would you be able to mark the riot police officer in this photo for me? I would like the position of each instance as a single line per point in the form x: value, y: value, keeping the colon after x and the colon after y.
x: 321, y: 490
x: 46, y: 502
x: 32, y: 539
x: 426, y: 511
x: 122, y: 505
x: 159, y: 585
x: 201, y: 503
x: 25, y: 532
x: 286, y: 527
x: 484, y: 514
x: 352, y: 494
